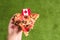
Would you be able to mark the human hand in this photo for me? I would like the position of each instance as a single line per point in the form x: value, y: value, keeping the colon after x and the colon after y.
x: 13, y: 32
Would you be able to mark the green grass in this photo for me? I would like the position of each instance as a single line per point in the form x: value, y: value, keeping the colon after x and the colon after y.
x: 47, y: 27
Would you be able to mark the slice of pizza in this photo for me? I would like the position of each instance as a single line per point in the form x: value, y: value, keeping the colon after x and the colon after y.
x: 25, y: 21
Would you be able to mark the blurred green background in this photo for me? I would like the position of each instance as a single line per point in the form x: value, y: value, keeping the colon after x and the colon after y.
x: 47, y: 27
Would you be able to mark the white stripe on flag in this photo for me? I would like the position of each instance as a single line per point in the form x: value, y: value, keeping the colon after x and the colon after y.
x: 24, y: 11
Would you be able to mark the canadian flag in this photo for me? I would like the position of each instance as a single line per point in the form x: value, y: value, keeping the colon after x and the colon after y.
x: 26, y: 12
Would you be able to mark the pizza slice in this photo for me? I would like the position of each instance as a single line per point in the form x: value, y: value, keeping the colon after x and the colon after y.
x: 25, y: 21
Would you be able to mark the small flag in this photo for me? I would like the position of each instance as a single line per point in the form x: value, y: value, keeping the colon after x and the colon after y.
x: 26, y: 12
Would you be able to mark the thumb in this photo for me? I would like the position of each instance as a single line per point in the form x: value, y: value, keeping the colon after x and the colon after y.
x: 15, y: 29
x: 19, y: 36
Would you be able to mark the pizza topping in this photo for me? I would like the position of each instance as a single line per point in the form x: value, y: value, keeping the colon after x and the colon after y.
x: 25, y: 17
x: 25, y: 21
x: 19, y: 28
x: 27, y: 25
x: 27, y: 29
x: 18, y: 21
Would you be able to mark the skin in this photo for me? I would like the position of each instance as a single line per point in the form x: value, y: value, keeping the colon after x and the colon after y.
x: 13, y: 33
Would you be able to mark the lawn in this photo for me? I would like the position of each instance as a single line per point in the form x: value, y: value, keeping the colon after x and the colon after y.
x: 47, y: 27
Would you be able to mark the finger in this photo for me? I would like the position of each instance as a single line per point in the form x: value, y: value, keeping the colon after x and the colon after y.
x: 19, y: 36
x: 10, y: 26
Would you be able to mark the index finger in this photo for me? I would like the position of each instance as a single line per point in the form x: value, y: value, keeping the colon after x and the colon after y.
x: 10, y: 30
